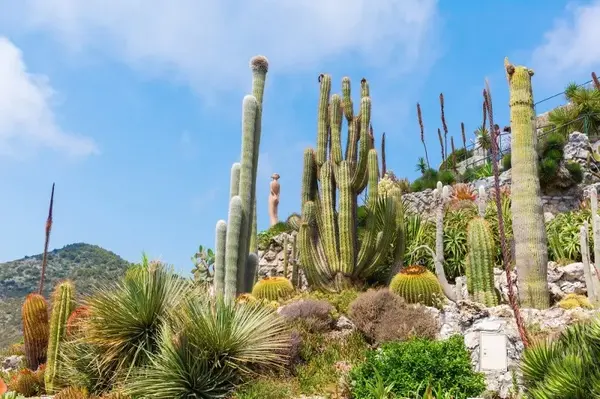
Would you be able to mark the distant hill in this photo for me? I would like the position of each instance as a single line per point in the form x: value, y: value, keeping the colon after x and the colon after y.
x: 85, y: 264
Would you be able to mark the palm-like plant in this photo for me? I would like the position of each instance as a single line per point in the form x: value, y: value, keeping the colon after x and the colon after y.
x: 566, y: 368
x: 125, y: 320
x: 214, y: 345
x: 582, y: 114
x: 421, y: 166
x: 484, y: 138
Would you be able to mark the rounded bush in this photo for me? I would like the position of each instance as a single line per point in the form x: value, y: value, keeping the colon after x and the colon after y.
x: 273, y: 288
x: 416, y: 284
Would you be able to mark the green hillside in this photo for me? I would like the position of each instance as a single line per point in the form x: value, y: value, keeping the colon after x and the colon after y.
x: 85, y: 264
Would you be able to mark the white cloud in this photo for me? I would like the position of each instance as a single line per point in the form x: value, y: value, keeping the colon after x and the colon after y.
x: 572, y: 44
x: 209, y: 42
x: 26, y: 117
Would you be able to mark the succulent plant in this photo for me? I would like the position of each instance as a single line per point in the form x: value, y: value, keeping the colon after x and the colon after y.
x: 479, y: 265
x: 75, y: 320
x: 63, y: 302
x: 331, y: 255
x: 416, y: 284
x: 27, y: 383
x: 236, y: 240
x: 273, y: 289
x: 531, y: 250
x: 35, y: 329
x: 72, y: 393
x: 571, y: 301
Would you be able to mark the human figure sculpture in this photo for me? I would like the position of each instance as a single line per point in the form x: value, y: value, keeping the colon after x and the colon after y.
x: 274, y: 199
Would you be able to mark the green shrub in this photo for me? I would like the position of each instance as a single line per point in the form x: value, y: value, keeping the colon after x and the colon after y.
x: 406, y: 365
x: 430, y: 178
x: 446, y: 177
x: 575, y: 171
x: 265, y: 237
x: 459, y: 155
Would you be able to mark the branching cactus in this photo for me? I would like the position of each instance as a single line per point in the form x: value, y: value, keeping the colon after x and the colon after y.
x: 237, y: 238
x: 531, y: 247
x: 480, y: 262
x: 441, y: 196
x: 330, y: 252
x: 63, y: 303
x: 35, y: 330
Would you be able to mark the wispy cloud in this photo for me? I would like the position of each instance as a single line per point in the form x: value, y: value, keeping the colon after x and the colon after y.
x: 27, y: 121
x: 572, y: 44
x: 208, y: 43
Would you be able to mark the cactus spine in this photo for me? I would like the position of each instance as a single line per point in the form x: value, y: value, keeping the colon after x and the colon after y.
x: 63, y: 304
x: 531, y: 251
x: 441, y: 196
x: 480, y: 262
x: 35, y: 330
x: 240, y: 231
x: 327, y: 238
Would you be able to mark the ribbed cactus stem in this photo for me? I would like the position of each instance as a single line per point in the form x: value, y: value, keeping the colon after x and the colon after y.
x: 595, y: 224
x: 35, y: 330
x: 63, y: 303
x: 531, y: 251
x: 286, y: 256
x: 585, y: 259
x: 251, y: 271
x: 295, y: 282
x: 441, y: 197
x: 481, y: 201
x: 480, y: 262
x: 220, y: 250
x: 595, y: 272
x: 232, y: 243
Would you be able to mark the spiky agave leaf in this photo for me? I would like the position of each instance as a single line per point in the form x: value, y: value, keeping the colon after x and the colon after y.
x: 215, y: 345
x: 125, y: 320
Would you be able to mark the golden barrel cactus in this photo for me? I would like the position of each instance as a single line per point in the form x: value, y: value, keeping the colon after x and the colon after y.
x: 273, y: 289
x: 416, y: 284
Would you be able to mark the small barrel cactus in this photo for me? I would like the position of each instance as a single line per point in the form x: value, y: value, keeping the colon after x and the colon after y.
x: 273, y: 288
x: 572, y: 301
x: 416, y: 284
x: 27, y: 383
x: 75, y: 320
x: 72, y: 393
x: 35, y: 329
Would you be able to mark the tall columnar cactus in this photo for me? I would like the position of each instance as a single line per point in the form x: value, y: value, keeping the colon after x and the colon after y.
x: 441, y: 196
x: 236, y: 239
x: 480, y: 262
x: 35, y: 330
x: 595, y: 220
x: 531, y: 247
x: 585, y: 257
x: 63, y: 303
x: 330, y: 253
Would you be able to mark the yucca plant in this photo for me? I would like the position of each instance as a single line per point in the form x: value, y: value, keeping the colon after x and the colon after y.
x: 125, y: 320
x: 214, y: 345
x: 566, y: 368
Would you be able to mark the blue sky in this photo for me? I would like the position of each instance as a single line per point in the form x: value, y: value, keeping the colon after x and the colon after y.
x: 135, y: 112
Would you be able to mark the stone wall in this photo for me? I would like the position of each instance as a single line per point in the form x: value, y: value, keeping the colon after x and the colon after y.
x: 577, y: 149
x: 271, y: 259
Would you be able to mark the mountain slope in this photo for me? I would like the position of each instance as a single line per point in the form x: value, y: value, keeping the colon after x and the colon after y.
x: 87, y: 265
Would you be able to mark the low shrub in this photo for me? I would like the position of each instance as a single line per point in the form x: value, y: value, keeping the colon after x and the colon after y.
x: 383, y: 316
x: 405, y: 366
x: 313, y: 315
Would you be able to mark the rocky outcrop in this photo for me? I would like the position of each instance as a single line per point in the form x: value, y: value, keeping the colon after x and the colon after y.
x: 271, y: 259
x: 471, y: 320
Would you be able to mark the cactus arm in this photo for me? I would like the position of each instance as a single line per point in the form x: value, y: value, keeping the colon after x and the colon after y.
x: 63, y: 305
x: 232, y: 250
x: 328, y: 229
x: 322, y: 119
x: 251, y: 271
x: 220, y: 240
x: 335, y: 124
x: 531, y: 251
x: 234, y: 183
x: 346, y: 218
x: 359, y: 177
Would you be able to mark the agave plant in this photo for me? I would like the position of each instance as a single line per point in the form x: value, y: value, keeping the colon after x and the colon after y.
x: 125, y: 320
x: 212, y: 348
x: 566, y: 368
